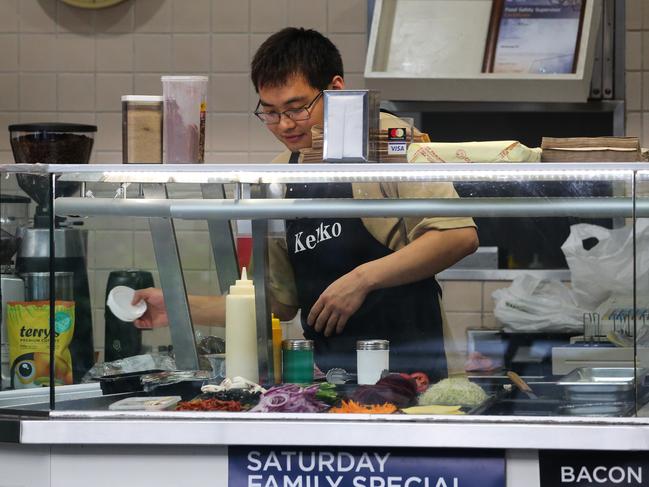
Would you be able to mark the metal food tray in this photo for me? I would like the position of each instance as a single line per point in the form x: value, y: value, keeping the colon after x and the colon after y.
x: 604, y: 383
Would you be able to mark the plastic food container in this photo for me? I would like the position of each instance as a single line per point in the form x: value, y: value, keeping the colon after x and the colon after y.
x: 152, y: 403
x: 142, y: 129
x: 185, y: 109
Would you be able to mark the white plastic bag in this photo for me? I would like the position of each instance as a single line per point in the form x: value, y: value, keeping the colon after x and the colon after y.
x: 531, y: 304
x: 607, y: 268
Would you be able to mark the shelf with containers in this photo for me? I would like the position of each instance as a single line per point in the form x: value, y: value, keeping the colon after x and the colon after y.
x: 183, y: 215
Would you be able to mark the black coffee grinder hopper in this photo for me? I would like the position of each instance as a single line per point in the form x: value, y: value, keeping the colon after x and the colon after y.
x: 56, y: 143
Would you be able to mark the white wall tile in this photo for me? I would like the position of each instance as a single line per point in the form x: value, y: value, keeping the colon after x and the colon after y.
x: 115, y: 52
x: 261, y: 139
x: 153, y: 15
x: 37, y: 53
x: 9, y: 91
x: 6, y: 119
x: 109, y: 90
x: 9, y: 52
x: 191, y: 53
x: 645, y: 129
x: 192, y: 16
x: 633, y: 50
x: 152, y: 52
x: 37, y: 92
x: 9, y: 17
x: 229, y: 16
x: 38, y: 15
x: 229, y: 93
x: 354, y: 82
x: 352, y: 48
x: 347, y: 15
x: 113, y: 249
x: 634, y: 90
x: 229, y: 132
x: 28, y: 117
x: 143, y: 251
x: 487, y: 290
x: 109, y: 131
x: 107, y: 157
x: 634, y: 127
x: 230, y: 53
x: 76, y: 92
x: 75, y: 53
x: 89, y: 118
x: 199, y: 283
x: 194, y: 250
x: 310, y: 14
x: 633, y: 14
x: 462, y: 296
x: 148, y: 84
x: 644, y: 50
x: 117, y: 19
x: 267, y: 15
x: 227, y: 158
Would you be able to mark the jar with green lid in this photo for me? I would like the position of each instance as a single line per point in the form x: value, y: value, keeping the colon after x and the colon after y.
x: 297, y: 361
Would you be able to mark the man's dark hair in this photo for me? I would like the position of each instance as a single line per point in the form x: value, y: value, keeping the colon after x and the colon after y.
x: 296, y: 51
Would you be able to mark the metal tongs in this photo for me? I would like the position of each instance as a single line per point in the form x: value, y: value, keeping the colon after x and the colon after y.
x: 521, y: 384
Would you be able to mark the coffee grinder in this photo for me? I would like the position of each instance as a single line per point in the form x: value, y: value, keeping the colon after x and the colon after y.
x: 56, y: 143
x: 13, y: 216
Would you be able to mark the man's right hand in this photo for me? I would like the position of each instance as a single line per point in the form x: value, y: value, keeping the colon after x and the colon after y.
x: 156, y: 311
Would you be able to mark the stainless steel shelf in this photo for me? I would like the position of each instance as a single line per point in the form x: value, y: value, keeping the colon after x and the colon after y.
x: 314, y: 173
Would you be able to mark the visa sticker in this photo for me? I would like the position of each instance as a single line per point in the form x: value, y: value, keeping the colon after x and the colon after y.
x: 396, y: 140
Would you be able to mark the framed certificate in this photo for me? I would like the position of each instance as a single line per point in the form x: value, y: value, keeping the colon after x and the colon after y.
x: 534, y: 36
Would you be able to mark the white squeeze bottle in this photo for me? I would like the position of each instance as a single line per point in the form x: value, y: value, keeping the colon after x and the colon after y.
x: 241, y: 330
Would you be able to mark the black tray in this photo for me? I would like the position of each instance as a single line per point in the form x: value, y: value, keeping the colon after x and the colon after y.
x: 127, y: 382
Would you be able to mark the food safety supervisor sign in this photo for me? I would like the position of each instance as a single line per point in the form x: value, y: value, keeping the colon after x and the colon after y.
x: 363, y: 467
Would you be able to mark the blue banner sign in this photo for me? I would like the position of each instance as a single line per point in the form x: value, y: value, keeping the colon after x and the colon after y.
x: 363, y: 467
x: 600, y: 468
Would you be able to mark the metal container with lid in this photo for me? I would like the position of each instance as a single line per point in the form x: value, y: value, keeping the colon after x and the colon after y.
x: 372, y: 358
x: 297, y: 361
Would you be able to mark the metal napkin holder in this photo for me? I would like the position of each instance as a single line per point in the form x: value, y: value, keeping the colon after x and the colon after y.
x: 351, y: 125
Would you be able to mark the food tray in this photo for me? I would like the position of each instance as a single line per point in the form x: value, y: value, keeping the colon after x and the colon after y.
x: 127, y: 382
x: 601, y: 384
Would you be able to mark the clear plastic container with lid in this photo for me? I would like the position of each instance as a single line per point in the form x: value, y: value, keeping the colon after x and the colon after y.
x: 142, y: 129
x: 185, y: 109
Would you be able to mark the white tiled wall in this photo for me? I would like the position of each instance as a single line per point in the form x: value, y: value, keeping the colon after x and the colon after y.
x: 637, y: 69
x: 59, y: 63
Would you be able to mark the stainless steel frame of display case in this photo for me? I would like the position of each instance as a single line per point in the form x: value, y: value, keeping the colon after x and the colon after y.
x: 181, y: 428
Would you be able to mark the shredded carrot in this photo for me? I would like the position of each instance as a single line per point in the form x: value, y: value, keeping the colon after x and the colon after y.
x: 354, y: 407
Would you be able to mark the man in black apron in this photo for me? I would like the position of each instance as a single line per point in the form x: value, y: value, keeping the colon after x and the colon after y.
x: 348, y: 284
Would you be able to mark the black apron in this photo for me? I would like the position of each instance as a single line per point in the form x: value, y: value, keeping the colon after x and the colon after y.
x: 321, y: 250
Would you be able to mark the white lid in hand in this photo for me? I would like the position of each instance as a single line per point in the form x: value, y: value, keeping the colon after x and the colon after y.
x: 119, y: 301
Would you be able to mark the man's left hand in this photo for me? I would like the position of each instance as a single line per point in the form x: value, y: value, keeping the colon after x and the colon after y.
x: 338, y: 302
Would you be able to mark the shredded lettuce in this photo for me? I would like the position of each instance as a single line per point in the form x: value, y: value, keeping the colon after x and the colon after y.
x: 452, y: 392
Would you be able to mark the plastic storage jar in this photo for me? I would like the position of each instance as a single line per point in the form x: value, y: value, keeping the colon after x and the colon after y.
x: 297, y: 361
x: 142, y: 129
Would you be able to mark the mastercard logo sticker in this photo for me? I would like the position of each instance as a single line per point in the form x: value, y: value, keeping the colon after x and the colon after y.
x: 397, y: 134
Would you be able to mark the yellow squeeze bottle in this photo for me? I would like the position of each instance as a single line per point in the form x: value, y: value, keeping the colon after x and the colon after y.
x: 241, y: 330
x: 277, y: 349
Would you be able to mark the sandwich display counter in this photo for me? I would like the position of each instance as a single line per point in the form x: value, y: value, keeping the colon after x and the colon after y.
x: 583, y: 421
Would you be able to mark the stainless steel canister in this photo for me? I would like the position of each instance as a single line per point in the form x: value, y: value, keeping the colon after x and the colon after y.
x: 37, y: 286
x: 372, y: 358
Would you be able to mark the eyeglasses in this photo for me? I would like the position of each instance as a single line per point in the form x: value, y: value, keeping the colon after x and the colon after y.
x: 295, y: 114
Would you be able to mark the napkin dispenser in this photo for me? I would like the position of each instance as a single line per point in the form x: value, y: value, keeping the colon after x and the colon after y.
x: 351, y: 124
